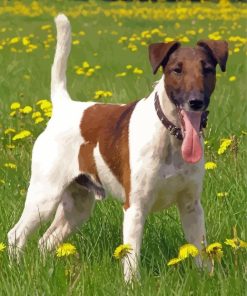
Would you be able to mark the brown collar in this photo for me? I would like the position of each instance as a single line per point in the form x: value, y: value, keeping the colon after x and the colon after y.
x: 175, y: 131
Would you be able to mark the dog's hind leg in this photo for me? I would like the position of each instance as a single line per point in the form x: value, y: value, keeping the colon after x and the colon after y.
x: 41, y: 202
x: 44, y: 193
x: 75, y: 208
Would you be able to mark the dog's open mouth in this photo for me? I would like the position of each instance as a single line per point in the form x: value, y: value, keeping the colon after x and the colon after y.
x: 191, y: 147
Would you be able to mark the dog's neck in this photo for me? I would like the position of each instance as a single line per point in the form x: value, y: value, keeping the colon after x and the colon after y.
x: 168, y: 108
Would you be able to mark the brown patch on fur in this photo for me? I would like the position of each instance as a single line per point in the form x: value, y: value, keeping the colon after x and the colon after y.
x: 159, y: 53
x: 86, y: 160
x: 108, y: 125
x: 218, y: 49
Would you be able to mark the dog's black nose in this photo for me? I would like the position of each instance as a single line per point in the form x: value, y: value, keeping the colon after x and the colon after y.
x: 196, y: 104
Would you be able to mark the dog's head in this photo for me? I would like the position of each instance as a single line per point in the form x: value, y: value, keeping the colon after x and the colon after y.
x: 190, y: 76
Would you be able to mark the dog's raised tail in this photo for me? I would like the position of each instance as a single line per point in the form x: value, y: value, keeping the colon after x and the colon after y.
x: 59, y: 67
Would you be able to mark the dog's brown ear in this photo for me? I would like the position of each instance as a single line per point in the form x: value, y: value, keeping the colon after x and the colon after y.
x: 159, y: 53
x: 218, y: 49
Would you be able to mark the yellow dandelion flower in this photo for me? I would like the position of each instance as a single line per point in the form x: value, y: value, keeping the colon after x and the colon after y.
x: 76, y: 42
x: 188, y: 250
x: 85, y: 65
x: 91, y: 70
x: 66, y: 249
x: 101, y: 93
x: 236, y: 243
x: 214, y: 36
x: 15, y: 106
x: 25, y: 41
x: 32, y: 46
x: 97, y: 67
x: 14, y: 40
x: 9, y: 131
x: 40, y: 102
x: 224, y: 145
x: 10, y: 165
x: 13, y: 113
x: 232, y: 78
x: 82, y: 33
x: 184, y: 39
x: 26, y: 110
x: 133, y: 39
x: 132, y: 47
x: 9, y: 146
x: 122, y: 39
x: 122, y: 74
x: 21, y: 135
x: 2, y: 247
x: 88, y: 74
x: 36, y: 114
x: 48, y: 114
x: 45, y: 27
x: 155, y: 31
x: 191, y: 32
x: 45, y: 105
x: 168, y: 39
x: 174, y: 261
x: 210, y: 165
x: 38, y: 120
x: 98, y: 94
x: 79, y: 71
x: 128, y: 67
x: 222, y: 194
x: 122, y: 250
x: 214, y: 250
x: 144, y: 43
x: 107, y: 94
x: 137, y: 71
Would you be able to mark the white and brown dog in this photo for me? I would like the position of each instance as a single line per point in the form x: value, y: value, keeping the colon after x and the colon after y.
x: 148, y: 153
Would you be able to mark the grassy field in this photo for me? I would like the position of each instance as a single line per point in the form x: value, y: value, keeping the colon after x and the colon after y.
x: 109, y: 54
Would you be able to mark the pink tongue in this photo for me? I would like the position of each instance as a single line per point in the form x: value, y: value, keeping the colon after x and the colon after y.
x: 191, y: 147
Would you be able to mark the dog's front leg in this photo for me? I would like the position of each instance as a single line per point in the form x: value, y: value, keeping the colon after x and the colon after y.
x: 192, y: 218
x: 134, y: 219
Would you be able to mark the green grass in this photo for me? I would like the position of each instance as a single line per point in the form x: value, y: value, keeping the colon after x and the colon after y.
x: 25, y: 77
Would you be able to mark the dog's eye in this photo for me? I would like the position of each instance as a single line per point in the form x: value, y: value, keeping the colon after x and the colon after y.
x: 177, y: 70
